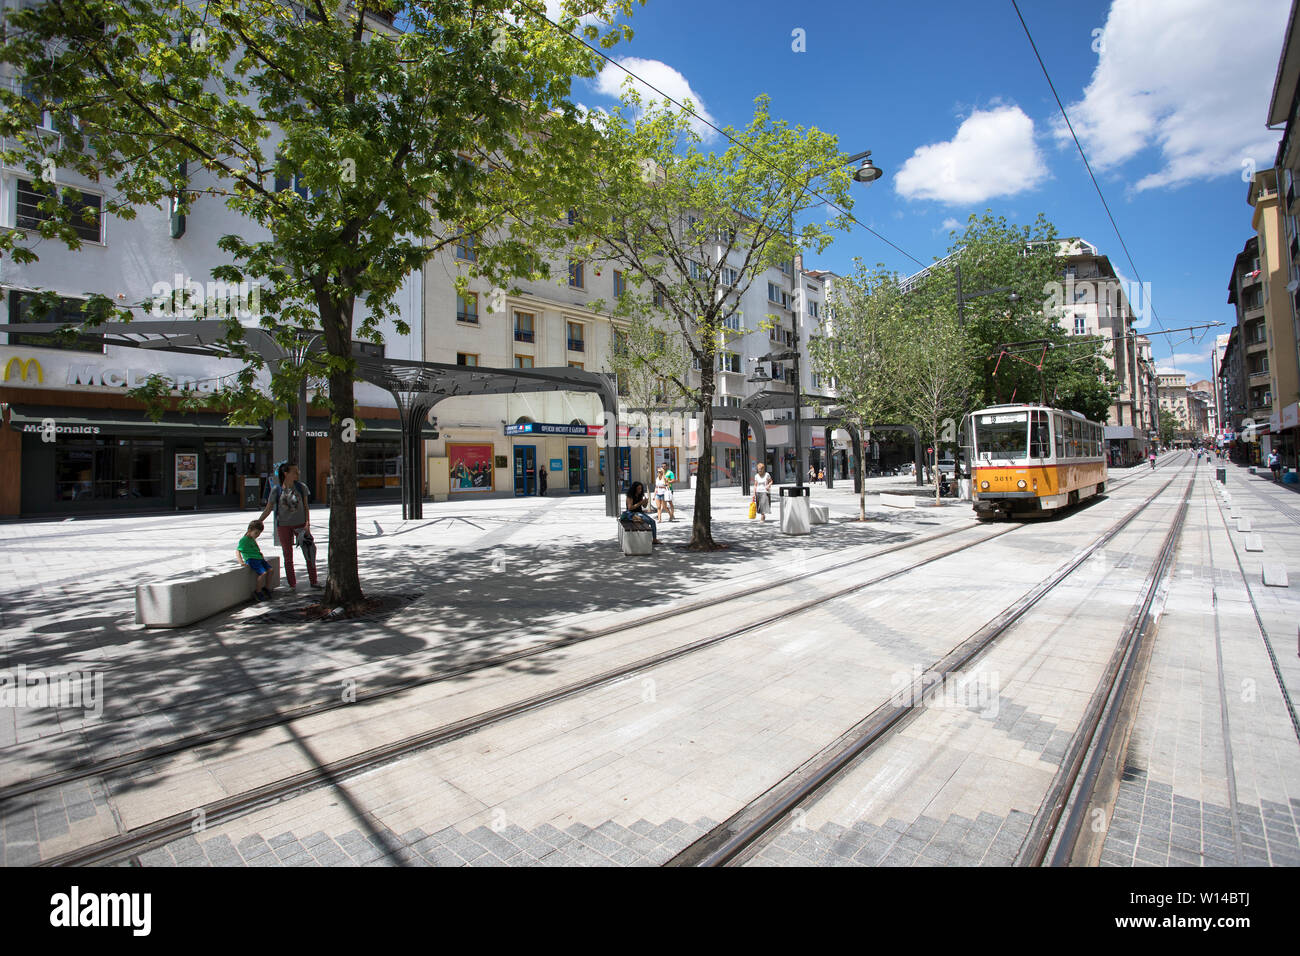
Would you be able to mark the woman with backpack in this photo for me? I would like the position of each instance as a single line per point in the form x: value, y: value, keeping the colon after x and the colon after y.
x: 288, y: 500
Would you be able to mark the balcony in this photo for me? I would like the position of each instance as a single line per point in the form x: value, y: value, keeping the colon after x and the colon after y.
x: 523, y: 335
x: 577, y: 345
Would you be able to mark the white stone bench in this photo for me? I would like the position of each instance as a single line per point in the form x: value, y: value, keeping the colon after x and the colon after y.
x: 897, y: 501
x: 190, y: 597
x: 821, y: 514
x: 636, y: 542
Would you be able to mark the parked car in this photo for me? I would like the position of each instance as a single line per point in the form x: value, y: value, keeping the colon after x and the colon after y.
x: 947, y: 466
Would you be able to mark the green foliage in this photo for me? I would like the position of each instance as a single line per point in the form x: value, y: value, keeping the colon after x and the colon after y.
x: 1170, y: 427
x: 692, y: 230
x: 353, y: 149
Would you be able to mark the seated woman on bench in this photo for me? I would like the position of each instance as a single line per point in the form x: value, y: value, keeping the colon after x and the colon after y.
x: 635, y: 508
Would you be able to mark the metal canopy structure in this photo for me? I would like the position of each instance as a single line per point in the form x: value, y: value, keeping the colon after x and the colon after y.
x: 748, y: 418
x: 767, y: 400
x: 831, y: 423
x: 416, y: 386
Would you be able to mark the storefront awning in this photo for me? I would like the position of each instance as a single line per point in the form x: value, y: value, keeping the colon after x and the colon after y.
x: 371, y: 429
x: 91, y: 422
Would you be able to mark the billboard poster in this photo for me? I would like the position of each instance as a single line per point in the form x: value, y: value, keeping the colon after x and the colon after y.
x: 187, y: 472
x: 470, y: 467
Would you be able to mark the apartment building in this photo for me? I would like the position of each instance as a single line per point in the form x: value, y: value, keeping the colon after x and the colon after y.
x: 1251, y: 365
x: 104, y: 454
x: 1093, y: 301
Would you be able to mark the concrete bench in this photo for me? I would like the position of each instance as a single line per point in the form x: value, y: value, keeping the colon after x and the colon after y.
x: 821, y: 514
x: 636, y: 542
x: 190, y: 597
x: 897, y: 501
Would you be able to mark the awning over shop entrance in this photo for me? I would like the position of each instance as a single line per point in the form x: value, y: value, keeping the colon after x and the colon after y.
x: 369, y: 429
x: 90, y: 422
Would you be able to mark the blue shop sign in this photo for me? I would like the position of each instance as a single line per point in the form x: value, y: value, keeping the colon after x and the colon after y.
x: 544, y: 428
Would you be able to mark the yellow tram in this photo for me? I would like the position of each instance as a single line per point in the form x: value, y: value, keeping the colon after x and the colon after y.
x: 1030, y: 459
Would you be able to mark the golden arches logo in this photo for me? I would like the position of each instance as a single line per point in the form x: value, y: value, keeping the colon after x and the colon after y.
x: 24, y: 368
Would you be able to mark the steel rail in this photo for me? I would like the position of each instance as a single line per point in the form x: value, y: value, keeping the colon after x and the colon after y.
x: 726, y: 842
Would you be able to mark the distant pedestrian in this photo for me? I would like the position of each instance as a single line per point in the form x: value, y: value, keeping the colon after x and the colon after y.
x: 762, y: 491
x: 248, y: 552
x: 660, y: 494
x: 1275, y: 465
x: 1153, y: 459
x: 821, y: 475
x: 541, y: 481
x: 288, y: 500
x: 669, y: 478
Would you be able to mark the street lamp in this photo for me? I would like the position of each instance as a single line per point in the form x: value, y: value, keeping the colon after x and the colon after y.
x: 866, y: 174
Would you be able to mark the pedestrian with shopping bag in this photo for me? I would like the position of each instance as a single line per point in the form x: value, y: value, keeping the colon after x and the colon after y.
x: 762, y: 500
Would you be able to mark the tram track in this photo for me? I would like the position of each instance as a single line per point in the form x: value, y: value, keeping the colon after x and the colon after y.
x: 163, y: 830
x: 735, y: 840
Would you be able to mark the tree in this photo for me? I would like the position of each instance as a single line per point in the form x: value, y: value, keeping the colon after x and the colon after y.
x: 1170, y: 427
x: 357, y: 139
x: 646, y: 360
x: 860, y: 347
x: 937, y: 376
x: 692, y: 230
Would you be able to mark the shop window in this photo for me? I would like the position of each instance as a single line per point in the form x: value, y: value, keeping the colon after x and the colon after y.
x: 379, y: 464
x: 108, y: 468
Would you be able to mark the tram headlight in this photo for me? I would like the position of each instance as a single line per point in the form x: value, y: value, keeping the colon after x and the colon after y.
x: 984, y: 486
x: 1020, y: 483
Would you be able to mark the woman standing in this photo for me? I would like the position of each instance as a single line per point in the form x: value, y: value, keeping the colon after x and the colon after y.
x: 288, y: 499
x: 661, y: 493
x: 762, y: 491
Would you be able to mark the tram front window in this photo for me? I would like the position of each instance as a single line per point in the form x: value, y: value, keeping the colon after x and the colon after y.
x: 1002, y: 437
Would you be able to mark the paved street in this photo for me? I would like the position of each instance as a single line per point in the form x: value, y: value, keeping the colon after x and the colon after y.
x: 689, y: 686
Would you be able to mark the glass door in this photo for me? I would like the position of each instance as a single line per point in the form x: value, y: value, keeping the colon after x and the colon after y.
x: 525, y: 470
x: 577, y: 469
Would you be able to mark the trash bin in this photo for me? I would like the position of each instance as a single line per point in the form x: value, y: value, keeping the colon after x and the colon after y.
x: 796, y: 511
x: 1221, y: 474
x: 251, y: 492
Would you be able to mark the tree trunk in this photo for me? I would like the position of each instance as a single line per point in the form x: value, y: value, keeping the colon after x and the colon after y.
x: 862, y: 495
x: 343, y: 587
x: 701, y: 523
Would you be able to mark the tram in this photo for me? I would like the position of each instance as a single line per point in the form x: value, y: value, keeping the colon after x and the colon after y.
x: 1031, y: 459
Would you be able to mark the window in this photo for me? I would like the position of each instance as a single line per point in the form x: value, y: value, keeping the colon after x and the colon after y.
x: 733, y: 321
x: 620, y: 283
x: 729, y: 362
x: 379, y: 464
x: 697, y: 271
x: 108, y: 468
x: 465, y: 247
x: 23, y: 307
x: 813, y: 306
x: 658, y: 299
x: 467, y: 308
x: 1080, y: 325
x: 575, y: 365
x: 525, y: 328
x: 1060, y: 437
x: 86, y: 211
x: 577, y: 274
x: 774, y: 292
x: 576, y: 342
x: 523, y: 361
x: 367, y: 349
x: 467, y: 358
x: 730, y: 276
x: 729, y: 401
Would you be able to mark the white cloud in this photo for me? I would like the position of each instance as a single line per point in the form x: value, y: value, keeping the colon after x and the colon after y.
x: 1190, y: 77
x: 993, y: 154
x: 950, y: 223
x: 659, y: 74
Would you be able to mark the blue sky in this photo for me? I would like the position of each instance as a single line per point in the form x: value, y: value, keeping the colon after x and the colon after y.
x: 1169, y: 97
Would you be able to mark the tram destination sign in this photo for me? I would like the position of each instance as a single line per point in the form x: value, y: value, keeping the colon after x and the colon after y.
x: 1015, y: 419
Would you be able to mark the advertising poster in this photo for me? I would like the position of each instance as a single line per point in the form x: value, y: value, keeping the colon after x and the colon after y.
x: 470, y: 467
x: 187, y: 472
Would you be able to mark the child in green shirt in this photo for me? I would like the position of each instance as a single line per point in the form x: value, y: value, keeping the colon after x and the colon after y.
x: 250, y: 554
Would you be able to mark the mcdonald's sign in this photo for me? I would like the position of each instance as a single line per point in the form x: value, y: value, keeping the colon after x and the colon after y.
x: 25, y: 367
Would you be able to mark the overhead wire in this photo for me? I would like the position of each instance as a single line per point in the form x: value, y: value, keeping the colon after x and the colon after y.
x: 721, y: 132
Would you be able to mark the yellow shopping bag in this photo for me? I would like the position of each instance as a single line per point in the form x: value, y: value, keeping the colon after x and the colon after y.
x: 753, y: 509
